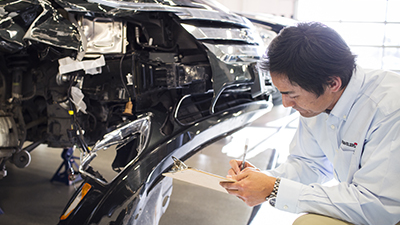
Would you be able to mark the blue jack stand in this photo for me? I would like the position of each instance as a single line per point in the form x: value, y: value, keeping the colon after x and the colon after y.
x: 67, y: 176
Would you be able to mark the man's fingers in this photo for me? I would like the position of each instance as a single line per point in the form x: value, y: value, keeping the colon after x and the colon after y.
x: 238, y: 177
x: 234, y: 192
x: 231, y: 173
x: 241, y: 198
x: 229, y: 186
x: 235, y: 166
x: 242, y: 175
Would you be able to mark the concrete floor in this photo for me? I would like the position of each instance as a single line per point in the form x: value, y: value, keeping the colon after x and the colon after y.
x: 28, y: 197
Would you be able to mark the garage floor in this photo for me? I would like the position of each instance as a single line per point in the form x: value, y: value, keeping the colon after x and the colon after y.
x: 28, y: 197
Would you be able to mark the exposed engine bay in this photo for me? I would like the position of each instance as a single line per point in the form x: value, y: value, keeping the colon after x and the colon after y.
x: 109, y: 69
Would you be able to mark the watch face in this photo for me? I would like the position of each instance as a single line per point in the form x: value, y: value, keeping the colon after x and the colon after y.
x: 272, y: 201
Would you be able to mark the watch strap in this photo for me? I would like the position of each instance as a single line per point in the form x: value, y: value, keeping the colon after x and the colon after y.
x: 274, y: 192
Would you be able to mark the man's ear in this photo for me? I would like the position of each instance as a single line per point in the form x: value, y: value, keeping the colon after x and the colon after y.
x: 335, y: 84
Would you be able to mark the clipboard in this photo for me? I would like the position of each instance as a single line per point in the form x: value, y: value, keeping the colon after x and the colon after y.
x: 198, y: 177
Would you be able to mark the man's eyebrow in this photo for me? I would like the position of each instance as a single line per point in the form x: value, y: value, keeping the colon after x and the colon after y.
x: 286, y: 92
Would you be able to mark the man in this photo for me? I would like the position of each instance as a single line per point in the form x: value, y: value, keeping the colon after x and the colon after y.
x: 349, y: 130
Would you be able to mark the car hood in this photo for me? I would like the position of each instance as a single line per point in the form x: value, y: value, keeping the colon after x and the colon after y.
x: 185, y: 9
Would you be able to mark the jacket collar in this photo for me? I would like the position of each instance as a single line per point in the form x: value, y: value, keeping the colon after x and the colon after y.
x: 350, y: 94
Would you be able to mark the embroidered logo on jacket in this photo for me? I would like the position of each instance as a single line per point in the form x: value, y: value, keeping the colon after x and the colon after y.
x: 353, y: 145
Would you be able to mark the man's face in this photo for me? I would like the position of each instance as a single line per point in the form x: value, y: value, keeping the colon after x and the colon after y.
x: 307, y: 103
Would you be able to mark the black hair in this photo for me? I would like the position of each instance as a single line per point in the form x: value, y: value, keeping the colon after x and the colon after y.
x: 310, y: 55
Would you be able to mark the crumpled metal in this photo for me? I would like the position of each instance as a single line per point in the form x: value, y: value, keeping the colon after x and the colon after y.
x: 22, y: 21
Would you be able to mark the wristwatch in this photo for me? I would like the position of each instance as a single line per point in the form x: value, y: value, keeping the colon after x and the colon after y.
x: 272, y: 197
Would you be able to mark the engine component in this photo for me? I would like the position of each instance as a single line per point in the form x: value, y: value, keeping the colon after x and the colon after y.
x: 104, y: 35
x: 22, y: 159
x: 8, y: 134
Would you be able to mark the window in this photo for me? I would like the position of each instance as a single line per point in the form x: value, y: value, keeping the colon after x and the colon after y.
x: 370, y: 27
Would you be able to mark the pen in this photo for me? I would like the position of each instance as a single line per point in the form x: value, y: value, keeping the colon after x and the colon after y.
x: 245, y: 152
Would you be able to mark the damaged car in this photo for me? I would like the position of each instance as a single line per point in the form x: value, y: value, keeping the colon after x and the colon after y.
x: 143, y: 80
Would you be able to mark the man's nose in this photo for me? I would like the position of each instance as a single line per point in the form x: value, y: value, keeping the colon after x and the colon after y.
x: 287, y: 101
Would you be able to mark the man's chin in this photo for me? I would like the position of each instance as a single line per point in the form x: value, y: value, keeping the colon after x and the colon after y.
x: 307, y: 114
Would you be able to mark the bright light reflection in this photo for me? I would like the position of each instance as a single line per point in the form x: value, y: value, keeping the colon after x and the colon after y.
x: 228, y: 34
x: 189, y: 28
x: 237, y: 113
x: 276, y: 134
x: 12, y: 33
x: 230, y: 50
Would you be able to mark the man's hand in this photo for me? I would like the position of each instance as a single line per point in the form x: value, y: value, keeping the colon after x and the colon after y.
x: 252, y: 185
x: 236, y: 167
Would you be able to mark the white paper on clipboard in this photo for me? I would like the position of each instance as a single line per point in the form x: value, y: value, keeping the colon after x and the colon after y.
x: 198, y: 177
